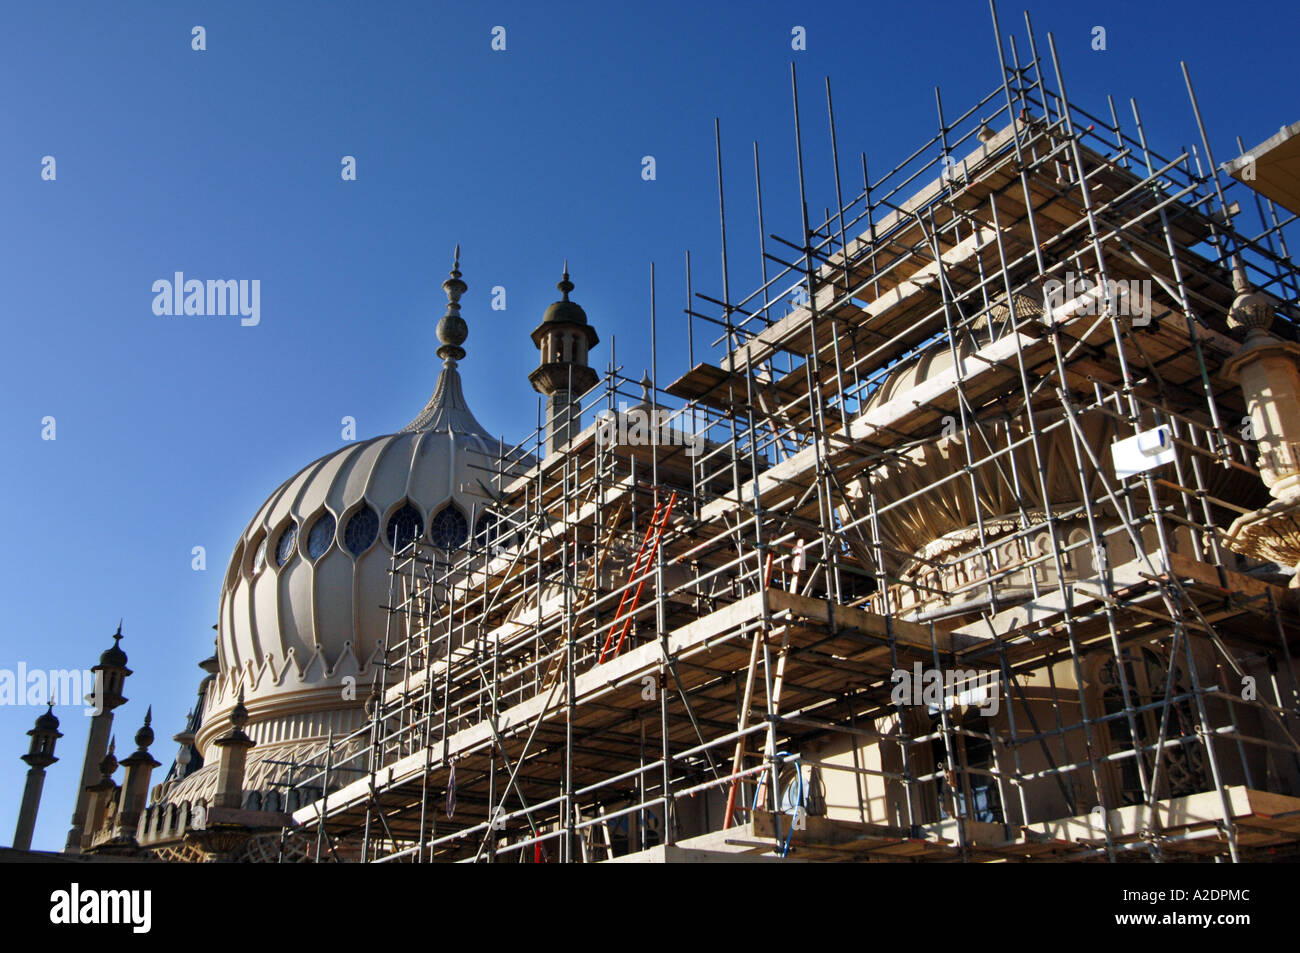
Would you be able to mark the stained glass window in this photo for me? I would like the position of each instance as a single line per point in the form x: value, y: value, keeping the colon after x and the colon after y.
x: 259, y: 557
x: 361, y: 530
x: 404, y: 526
x: 284, y: 548
x: 321, y: 536
x: 449, y: 530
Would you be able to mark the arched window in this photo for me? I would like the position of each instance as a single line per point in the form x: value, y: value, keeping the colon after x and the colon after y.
x: 284, y: 548
x: 321, y: 535
x: 361, y: 530
x: 404, y: 527
x: 1079, y: 560
x: 449, y: 530
x: 259, y: 557
x: 1042, y: 547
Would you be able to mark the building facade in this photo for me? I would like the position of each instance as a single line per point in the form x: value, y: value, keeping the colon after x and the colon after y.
x: 974, y: 538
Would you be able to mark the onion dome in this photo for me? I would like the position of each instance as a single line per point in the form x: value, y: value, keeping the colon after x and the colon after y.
x: 44, y: 734
x: 565, y: 311
x: 302, y: 617
x: 47, y: 721
x: 114, y: 656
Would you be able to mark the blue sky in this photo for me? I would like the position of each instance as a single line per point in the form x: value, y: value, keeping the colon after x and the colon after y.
x: 171, y: 431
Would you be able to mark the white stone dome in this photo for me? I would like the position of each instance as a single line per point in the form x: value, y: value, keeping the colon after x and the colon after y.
x: 302, y: 617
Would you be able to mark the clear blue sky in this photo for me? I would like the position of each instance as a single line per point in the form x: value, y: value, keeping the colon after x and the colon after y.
x: 171, y: 431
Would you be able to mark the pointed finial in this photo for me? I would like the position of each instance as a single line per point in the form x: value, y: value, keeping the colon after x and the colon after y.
x: 645, y: 387
x: 564, y: 284
x: 144, y: 737
x: 1240, y: 283
x: 1251, y: 310
x: 452, y: 329
x: 113, y: 656
x: 239, y: 714
x: 108, y: 763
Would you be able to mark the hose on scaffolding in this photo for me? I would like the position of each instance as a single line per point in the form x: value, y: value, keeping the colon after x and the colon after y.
x: 798, y: 806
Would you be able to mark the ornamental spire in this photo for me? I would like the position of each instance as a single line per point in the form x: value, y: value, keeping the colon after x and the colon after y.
x: 447, y: 409
x: 452, y: 329
x: 565, y: 285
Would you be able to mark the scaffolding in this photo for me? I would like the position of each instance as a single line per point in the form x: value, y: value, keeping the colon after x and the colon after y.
x: 692, y: 633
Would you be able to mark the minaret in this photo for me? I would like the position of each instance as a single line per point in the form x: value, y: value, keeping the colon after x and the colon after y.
x: 138, y: 766
x: 110, y: 677
x: 39, y: 756
x: 564, y: 337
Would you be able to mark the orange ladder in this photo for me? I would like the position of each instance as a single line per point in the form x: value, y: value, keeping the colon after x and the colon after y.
x: 654, y: 535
